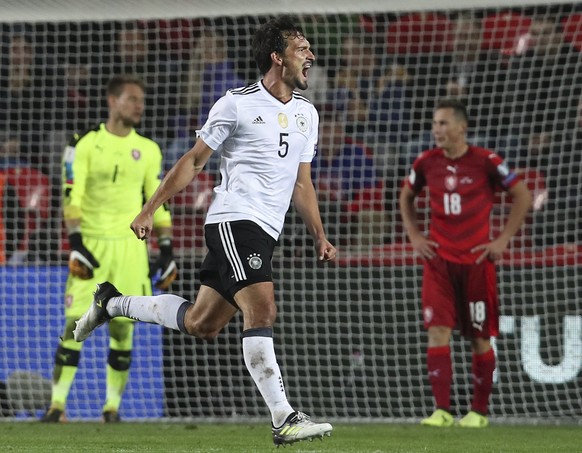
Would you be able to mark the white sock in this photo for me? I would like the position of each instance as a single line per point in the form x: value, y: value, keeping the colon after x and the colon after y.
x: 166, y: 310
x: 259, y: 355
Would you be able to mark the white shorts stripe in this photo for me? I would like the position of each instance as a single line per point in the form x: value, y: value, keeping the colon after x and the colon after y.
x: 230, y: 250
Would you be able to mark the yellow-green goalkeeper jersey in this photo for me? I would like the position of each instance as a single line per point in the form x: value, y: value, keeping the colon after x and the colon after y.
x: 106, y: 180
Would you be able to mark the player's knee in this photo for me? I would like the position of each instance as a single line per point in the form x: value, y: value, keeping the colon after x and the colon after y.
x: 201, y: 330
x: 439, y: 336
x: 67, y: 357
x: 119, y: 360
x: 480, y: 345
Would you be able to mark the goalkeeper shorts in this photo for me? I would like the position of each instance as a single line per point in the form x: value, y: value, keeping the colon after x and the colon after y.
x: 123, y: 262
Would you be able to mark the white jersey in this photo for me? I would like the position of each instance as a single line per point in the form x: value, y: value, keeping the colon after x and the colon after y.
x: 262, y: 142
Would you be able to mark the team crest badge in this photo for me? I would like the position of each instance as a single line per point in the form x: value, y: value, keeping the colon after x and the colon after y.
x: 283, y: 121
x: 255, y: 261
x: 451, y: 182
x: 136, y: 154
x: 68, y: 300
x: 301, y: 123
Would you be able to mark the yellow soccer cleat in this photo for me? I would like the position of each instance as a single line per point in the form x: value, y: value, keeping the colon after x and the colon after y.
x: 298, y: 427
x: 474, y: 420
x: 439, y: 419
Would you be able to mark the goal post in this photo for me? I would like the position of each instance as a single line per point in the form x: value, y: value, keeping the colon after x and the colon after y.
x: 349, y: 337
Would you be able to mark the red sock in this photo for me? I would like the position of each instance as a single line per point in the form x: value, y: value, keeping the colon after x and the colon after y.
x: 440, y: 374
x: 483, y: 367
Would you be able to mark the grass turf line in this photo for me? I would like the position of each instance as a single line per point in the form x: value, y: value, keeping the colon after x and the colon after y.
x: 256, y: 438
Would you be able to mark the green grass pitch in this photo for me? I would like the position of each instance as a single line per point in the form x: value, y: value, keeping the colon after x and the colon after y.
x: 255, y: 438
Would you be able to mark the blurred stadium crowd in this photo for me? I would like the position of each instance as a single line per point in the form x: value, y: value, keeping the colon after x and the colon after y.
x: 375, y: 83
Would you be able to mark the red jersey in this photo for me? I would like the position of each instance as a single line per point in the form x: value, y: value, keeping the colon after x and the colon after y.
x: 461, y: 195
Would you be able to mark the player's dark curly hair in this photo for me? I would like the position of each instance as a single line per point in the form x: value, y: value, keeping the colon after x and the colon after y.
x: 272, y: 37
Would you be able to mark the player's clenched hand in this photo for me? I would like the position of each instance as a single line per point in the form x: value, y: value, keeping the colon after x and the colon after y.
x: 423, y: 247
x: 325, y: 250
x: 142, y: 225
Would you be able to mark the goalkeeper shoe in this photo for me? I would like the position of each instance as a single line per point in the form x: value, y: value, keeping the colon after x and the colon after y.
x: 54, y: 415
x: 298, y: 427
x: 97, y: 313
x: 111, y: 417
x: 474, y: 420
x: 439, y: 419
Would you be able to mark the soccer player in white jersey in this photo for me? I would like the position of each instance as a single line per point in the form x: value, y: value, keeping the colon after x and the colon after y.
x: 267, y: 136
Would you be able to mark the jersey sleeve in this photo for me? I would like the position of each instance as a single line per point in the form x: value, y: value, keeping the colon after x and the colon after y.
x: 153, y: 176
x: 310, y: 149
x: 416, y: 179
x: 500, y: 172
x: 221, y: 122
x: 74, y: 176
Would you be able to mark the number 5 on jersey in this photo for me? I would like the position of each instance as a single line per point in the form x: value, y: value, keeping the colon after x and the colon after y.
x: 284, y: 144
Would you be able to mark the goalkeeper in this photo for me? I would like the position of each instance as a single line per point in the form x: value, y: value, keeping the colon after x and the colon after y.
x: 107, y: 174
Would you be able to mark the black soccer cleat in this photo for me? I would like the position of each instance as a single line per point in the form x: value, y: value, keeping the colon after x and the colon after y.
x: 111, y: 417
x: 97, y: 313
x: 53, y: 415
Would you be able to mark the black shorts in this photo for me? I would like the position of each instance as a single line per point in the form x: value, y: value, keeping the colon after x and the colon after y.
x: 239, y: 254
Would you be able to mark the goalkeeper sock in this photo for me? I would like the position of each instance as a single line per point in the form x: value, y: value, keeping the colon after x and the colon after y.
x: 166, y: 310
x: 440, y: 374
x: 62, y: 386
x: 66, y: 365
x: 118, y: 364
x: 483, y: 366
x: 259, y: 355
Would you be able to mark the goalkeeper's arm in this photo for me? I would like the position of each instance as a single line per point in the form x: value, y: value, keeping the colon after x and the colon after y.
x: 164, y: 270
x: 81, y: 261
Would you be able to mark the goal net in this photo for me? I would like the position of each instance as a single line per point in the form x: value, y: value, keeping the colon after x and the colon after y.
x: 349, y: 337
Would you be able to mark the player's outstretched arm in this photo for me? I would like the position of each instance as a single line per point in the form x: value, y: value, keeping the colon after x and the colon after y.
x: 305, y: 201
x: 179, y: 176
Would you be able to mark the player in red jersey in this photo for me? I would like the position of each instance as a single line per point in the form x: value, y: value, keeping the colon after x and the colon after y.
x: 459, y: 287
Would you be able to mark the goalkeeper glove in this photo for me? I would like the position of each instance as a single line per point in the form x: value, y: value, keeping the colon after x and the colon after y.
x: 81, y: 261
x: 164, y: 270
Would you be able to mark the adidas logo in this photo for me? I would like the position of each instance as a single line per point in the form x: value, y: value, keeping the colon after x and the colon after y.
x: 258, y: 120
